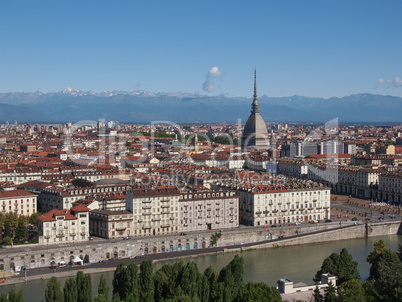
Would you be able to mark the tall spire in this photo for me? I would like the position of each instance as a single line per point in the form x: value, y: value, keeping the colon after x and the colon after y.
x: 255, y: 106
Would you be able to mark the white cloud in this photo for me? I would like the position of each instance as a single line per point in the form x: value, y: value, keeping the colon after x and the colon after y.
x: 397, y: 82
x: 213, y: 73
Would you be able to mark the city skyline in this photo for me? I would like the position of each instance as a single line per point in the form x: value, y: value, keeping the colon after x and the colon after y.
x: 312, y: 48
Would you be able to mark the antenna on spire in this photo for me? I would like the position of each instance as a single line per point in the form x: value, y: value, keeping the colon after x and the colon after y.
x: 255, y: 83
x: 255, y: 105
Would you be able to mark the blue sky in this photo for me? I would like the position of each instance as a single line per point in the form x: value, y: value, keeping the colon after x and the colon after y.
x: 311, y: 48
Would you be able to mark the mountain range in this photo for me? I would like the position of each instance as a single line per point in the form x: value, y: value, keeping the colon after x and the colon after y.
x: 141, y: 107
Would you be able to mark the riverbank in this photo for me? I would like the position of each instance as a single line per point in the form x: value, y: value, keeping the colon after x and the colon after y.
x: 326, y: 235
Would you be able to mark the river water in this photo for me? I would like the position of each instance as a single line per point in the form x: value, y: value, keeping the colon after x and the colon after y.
x: 298, y: 263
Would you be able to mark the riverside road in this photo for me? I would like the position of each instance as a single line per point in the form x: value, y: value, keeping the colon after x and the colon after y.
x: 46, y: 272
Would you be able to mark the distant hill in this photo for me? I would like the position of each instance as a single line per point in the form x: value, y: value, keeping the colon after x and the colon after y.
x: 140, y: 106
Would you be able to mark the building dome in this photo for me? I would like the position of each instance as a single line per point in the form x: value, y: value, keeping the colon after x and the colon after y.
x: 255, y: 134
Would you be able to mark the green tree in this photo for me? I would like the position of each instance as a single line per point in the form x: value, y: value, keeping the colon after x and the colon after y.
x: 53, y: 291
x: 133, y: 279
x: 21, y: 233
x: 260, y: 292
x: 3, y: 297
x: 341, y: 265
x: 7, y: 231
x: 216, y: 292
x: 330, y: 293
x: 146, y: 281
x: 379, y: 247
x: 351, y: 291
x: 103, y: 288
x: 16, y: 296
x: 399, y: 253
x: 214, y: 238
x: 318, y: 297
x: 84, y: 287
x: 349, y: 268
x: 33, y: 219
x: 232, y: 278
x: 120, y: 281
x: 70, y: 290
x: 385, y: 281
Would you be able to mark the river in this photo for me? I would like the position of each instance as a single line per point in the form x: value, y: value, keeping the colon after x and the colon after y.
x: 298, y: 263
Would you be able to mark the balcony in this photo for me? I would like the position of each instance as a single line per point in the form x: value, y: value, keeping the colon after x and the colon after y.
x: 47, y: 237
x: 165, y: 206
x: 164, y: 200
x: 146, y: 207
x: 165, y: 212
x: 66, y: 226
x: 199, y: 217
x: 121, y: 229
x: 83, y: 234
x: 145, y: 214
x: 59, y: 235
x: 139, y: 220
x: 53, y: 228
x: 156, y: 219
x: 258, y: 212
x: 165, y: 226
x: 73, y: 234
x: 146, y: 201
x: 171, y: 218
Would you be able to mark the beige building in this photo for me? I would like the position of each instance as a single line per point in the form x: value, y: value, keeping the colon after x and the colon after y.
x: 155, y: 210
x: 110, y: 224
x: 264, y: 204
x: 208, y: 210
x: 64, y: 226
x: 18, y: 201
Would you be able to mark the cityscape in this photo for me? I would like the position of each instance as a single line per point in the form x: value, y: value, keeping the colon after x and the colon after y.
x: 128, y: 188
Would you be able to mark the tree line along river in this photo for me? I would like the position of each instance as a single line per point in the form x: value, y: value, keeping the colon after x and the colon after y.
x: 298, y: 263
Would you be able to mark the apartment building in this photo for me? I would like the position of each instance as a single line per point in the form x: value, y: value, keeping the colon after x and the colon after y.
x: 57, y: 197
x: 110, y: 224
x: 64, y: 226
x: 390, y: 187
x: 266, y: 204
x: 20, y: 202
x: 155, y: 210
x: 208, y: 210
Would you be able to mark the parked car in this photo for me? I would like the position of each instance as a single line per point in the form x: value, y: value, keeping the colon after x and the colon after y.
x: 297, y: 223
x: 127, y: 238
x: 355, y: 219
x: 328, y: 220
x: 273, y: 226
x: 265, y: 227
x: 292, y: 224
x: 380, y: 218
x: 392, y: 216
